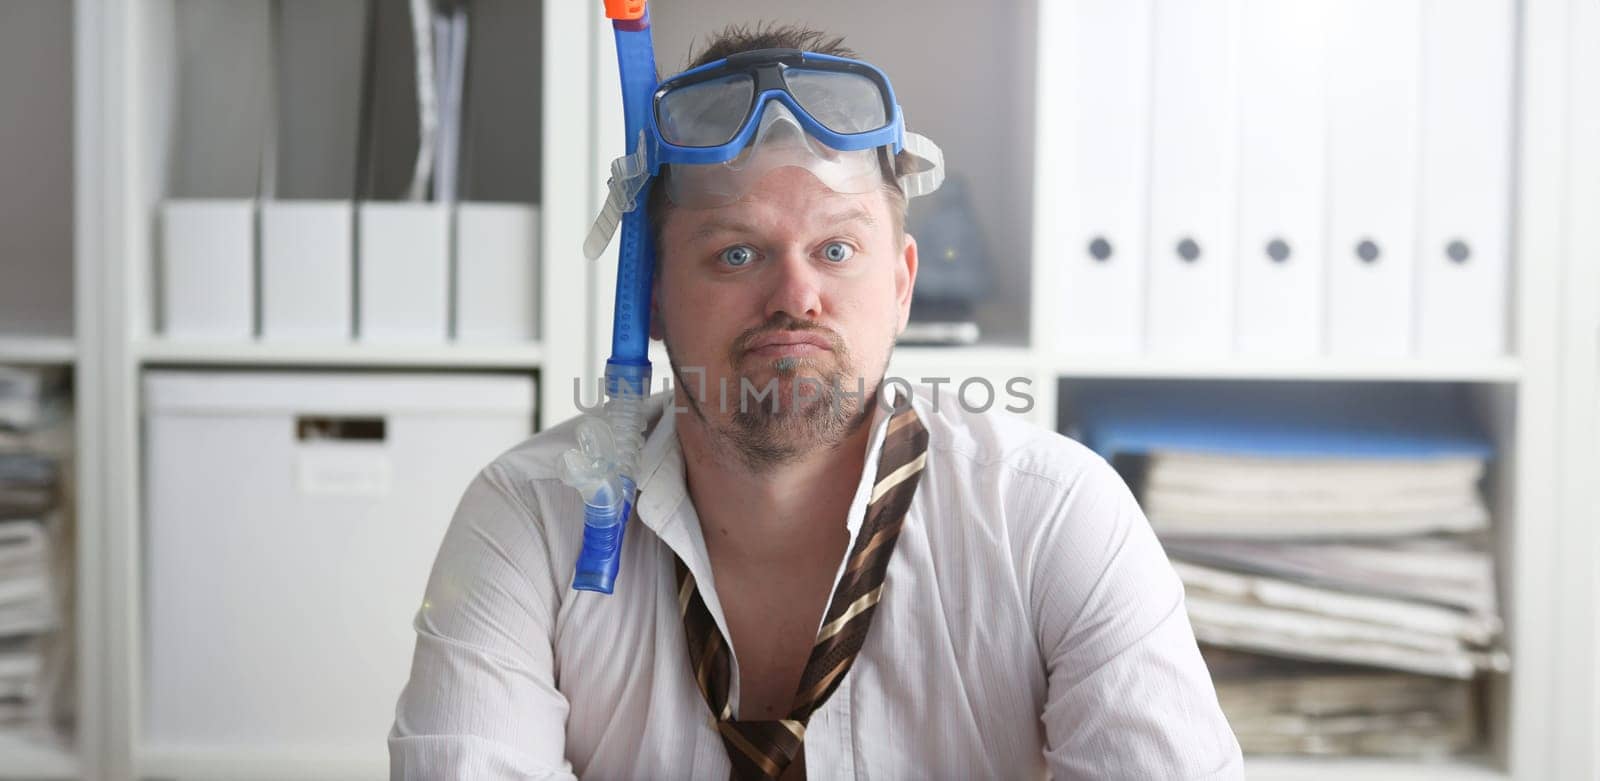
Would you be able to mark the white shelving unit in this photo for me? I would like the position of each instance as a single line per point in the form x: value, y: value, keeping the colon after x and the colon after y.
x: 1514, y: 395
x: 1274, y: 769
x: 528, y: 357
x: 31, y: 759
x: 127, y: 60
x: 1504, y: 370
x: 1544, y: 722
x: 46, y: 284
x: 45, y: 350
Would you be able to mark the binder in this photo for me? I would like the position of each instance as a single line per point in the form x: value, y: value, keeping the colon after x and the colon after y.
x: 497, y: 287
x: 208, y: 269
x: 403, y: 272
x: 307, y: 267
x: 1105, y: 74
x: 1373, y: 52
x: 1463, y: 245
x: 1281, y: 178
x: 1193, y: 172
x: 1271, y: 421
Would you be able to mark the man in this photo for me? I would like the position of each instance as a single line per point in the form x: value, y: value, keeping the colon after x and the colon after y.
x: 821, y: 582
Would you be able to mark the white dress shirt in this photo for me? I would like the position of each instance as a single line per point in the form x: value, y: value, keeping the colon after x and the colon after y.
x: 1030, y: 624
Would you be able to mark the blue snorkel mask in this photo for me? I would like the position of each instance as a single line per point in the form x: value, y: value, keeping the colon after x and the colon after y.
x: 724, y: 125
x: 721, y: 127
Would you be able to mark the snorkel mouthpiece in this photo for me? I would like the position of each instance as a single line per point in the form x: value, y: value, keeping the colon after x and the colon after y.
x: 592, y: 468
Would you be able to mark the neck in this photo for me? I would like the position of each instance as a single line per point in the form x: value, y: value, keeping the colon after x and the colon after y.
x: 769, y: 512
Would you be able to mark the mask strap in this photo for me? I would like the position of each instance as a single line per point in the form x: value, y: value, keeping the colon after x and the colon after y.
x: 628, y: 176
x: 927, y: 173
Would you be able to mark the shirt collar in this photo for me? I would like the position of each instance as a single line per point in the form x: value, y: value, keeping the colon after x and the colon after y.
x: 664, y: 505
x: 662, y: 483
x: 661, y: 469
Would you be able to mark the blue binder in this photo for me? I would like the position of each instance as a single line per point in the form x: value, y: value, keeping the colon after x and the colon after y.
x: 1271, y: 419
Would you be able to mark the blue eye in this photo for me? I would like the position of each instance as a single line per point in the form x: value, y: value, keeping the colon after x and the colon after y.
x: 738, y: 256
x: 838, y: 251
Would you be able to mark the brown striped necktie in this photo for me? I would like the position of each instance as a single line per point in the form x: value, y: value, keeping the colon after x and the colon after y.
x: 764, y: 749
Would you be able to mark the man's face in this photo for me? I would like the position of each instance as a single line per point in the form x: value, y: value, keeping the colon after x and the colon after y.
x: 795, y: 288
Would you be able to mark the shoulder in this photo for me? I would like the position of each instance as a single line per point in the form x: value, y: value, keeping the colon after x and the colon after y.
x: 523, y: 486
x: 1049, y: 506
x: 538, y: 458
x: 976, y: 441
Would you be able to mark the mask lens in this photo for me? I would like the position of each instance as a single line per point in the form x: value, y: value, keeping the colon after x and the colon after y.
x: 718, y: 184
x: 843, y: 102
x: 708, y: 113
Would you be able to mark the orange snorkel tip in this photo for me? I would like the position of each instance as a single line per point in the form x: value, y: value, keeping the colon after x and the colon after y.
x: 624, y: 9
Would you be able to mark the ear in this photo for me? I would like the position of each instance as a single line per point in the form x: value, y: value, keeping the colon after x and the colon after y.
x: 905, y: 280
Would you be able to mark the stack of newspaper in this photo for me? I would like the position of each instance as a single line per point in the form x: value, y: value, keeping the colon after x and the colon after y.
x: 1334, y: 558
x: 1375, y: 563
x: 1279, y: 706
x: 35, y: 441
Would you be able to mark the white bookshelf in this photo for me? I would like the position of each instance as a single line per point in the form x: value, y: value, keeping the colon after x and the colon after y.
x: 127, y: 64
x: 37, y: 350
x: 1280, y: 769
x: 1513, y: 395
x: 46, y: 285
x: 247, y: 765
x: 451, y: 356
x: 122, y: 52
x: 1493, y: 370
x: 32, y: 759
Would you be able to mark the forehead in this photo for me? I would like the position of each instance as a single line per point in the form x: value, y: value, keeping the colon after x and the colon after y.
x: 788, y: 200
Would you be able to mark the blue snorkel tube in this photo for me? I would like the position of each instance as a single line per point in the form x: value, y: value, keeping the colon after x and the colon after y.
x: 604, y: 465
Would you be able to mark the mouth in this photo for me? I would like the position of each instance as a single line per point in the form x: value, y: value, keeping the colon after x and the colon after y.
x: 787, y: 345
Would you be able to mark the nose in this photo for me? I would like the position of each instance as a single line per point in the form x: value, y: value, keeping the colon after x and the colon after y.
x: 796, y: 287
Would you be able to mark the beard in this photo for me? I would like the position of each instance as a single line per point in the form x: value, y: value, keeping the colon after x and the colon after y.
x: 775, y: 410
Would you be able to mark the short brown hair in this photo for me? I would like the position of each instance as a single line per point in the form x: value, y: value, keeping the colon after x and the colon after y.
x: 734, y: 39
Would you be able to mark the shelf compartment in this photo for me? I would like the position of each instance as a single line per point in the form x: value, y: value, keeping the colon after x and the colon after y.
x: 37, y: 350
x: 256, y: 765
x: 1494, y: 370
x: 1262, y: 768
x: 35, y: 759
x: 1488, y: 409
x: 349, y: 355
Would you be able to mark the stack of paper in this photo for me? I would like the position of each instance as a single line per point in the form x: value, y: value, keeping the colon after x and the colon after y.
x: 21, y: 676
x: 34, y: 438
x: 27, y: 485
x: 1343, y: 536
x: 30, y: 398
x: 1189, y: 492
x: 1359, y: 560
x: 1450, y: 571
x: 27, y: 596
x: 1282, y: 708
x: 1278, y: 616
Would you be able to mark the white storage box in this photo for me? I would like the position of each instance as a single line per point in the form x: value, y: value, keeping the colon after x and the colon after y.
x: 208, y: 269
x: 306, y: 268
x: 292, y: 520
x: 497, y: 259
x: 404, y: 279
